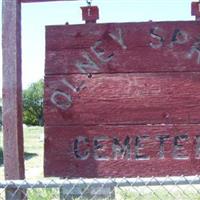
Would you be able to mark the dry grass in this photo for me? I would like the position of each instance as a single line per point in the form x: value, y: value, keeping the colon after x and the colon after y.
x: 33, y: 146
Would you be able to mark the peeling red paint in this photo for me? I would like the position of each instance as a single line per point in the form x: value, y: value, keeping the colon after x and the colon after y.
x: 122, y: 100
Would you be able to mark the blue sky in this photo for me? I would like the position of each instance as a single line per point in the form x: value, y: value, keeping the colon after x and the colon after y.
x: 36, y: 15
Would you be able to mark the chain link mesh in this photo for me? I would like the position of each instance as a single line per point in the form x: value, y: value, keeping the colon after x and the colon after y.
x: 166, y: 188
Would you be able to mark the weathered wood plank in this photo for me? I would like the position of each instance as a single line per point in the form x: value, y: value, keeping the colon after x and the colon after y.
x: 127, y: 47
x: 122, y: 99
x: 12, y: 91
x: 13, y: 149
x: 106, y: 84
x: 122, y: 151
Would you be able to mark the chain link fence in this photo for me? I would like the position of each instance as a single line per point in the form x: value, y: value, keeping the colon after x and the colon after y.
x: 166, y: 188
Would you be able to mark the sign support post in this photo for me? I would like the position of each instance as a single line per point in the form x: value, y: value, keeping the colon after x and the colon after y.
x: 12, y: 95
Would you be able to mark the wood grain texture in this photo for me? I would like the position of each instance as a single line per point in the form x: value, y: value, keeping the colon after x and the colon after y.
x: 144, y: 158
x: 123, y: 99
x: 12, y: 90
x: 126, y: 47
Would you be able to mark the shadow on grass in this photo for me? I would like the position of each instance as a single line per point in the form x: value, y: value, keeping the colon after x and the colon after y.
x: 27, y: 156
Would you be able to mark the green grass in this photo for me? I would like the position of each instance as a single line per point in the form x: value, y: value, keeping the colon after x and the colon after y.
x: 43, y: 194
x: 34, y: 144
x: 33, y: 140
x: 159, y: 193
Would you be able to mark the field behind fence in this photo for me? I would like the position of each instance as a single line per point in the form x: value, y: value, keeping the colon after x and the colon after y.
x: 39, y: 188
x: 34, y: 141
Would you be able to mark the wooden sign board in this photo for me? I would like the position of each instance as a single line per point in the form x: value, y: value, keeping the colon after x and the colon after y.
x: 122, y: 100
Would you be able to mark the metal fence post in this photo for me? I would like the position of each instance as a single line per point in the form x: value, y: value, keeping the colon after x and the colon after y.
x: 87, y: 191
x: 99, y: 192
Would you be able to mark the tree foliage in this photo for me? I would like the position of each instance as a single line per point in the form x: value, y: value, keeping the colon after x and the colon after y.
x: 33, y: 104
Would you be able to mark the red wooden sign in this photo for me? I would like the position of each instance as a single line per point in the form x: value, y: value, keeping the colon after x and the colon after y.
x: 122, y: 100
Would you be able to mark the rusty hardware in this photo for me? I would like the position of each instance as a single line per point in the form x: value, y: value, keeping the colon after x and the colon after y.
x: 90, y: 14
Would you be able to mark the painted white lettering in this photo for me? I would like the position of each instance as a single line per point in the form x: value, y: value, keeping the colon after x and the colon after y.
x: 61, y: 100
x: 179, y: 152
x: 99, y: 52
x: 118, y: 37
x: 100, y: 147
x: 162, y: 139
x: 69, y: 85
x: 179, y: 37
x: 139, y: 147
x: 106, y: 148
x: 74, y: 88
x: 197, y: 147
x: 121, y: 151
x: 195, y: 49
x: 158, y: 39
x: 80, y: 148
x: 89, y: 64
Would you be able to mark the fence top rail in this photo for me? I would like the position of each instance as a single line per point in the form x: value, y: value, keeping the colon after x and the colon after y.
x: 119, y: 182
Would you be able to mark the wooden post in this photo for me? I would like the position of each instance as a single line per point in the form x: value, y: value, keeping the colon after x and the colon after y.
x: 12, y: 95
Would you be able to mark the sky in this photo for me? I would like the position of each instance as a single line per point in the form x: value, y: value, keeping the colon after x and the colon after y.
x: 36, y: 15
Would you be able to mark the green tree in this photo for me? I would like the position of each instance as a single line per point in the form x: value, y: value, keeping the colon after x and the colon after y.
x: 33, y: 104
